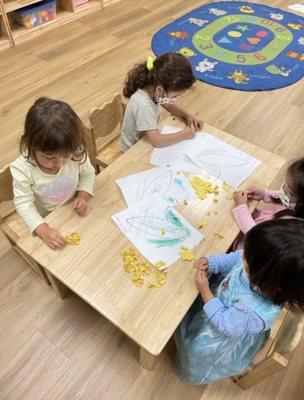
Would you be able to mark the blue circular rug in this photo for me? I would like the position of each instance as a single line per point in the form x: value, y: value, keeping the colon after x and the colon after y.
x: 238, y: 45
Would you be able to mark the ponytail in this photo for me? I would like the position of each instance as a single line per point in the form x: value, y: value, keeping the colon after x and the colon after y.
x: 138, y: 78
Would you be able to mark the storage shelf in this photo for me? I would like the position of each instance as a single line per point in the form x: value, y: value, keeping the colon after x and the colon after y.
x: 12, y: 5
x: 66, y: 12
x: 20, y: 33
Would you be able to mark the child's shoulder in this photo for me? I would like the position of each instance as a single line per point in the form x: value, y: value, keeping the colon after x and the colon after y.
x: 140, y: 98
x: 22, y: 165
x: 21, y: 161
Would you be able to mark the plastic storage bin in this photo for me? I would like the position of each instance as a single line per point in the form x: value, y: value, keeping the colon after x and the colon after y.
x: 36, y: 14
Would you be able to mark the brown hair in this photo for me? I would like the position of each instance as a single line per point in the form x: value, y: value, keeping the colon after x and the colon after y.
x: 296, y: 172
x: 171, y: 70
x: 53, y: 126
x: 274, y: 251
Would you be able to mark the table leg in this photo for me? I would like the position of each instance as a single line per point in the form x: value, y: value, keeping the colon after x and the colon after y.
x: 36, y: 267
x: 146, y: 359
x: 60, y: 289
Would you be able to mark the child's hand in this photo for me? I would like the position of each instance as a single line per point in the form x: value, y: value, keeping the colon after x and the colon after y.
x: 197, y: 123
x: 255, y: 193
x: 201, y: 264
x: 51, y: 237
x: 189, y: 132
x: 201, y: 281
x: 80, y: 205
x: 240, y: 197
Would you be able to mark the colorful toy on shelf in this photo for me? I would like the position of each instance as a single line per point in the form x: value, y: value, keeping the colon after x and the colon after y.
x: 36, y: 14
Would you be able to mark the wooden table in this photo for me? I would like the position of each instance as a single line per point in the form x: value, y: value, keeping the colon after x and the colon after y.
x: 94, y: 269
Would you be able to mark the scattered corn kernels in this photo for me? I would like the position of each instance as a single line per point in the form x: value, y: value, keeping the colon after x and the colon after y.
x: 186, y: 254
x: 159, y: 264
x: 218, y: 234
x: 202, y: 223
x: 202, y: 187
x: 140, y: 270
x: 73, y: 238
x: 225, y: 186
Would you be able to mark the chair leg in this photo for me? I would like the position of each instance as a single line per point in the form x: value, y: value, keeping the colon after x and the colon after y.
x: 36, y: 267
x: 60, y: 289
x: 261, y: 371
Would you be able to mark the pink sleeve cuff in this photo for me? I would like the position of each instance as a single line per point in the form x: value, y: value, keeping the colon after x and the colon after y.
x: 243, y: 218
x: 271, y: 193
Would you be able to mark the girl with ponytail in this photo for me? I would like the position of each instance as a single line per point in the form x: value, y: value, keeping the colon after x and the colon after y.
x: 148, y: 86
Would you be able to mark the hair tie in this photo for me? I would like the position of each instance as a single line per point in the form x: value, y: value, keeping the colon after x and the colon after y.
x: 150, y: 63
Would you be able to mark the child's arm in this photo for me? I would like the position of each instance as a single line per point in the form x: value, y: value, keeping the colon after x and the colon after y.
x: 24, y: 197
x: 243, y: 218
x: 85, y: 187
x: 266, y: 195
x: 189, y: 118
x: 269, y: 194
x: 241, y: 213
x: 223, y: 263
x: 158, y: 140
x: 237, y: 320
x: 24, y: 203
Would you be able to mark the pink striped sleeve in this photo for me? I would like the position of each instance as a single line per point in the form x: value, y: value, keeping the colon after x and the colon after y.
x: 243, y: 218
x: 270, y: 193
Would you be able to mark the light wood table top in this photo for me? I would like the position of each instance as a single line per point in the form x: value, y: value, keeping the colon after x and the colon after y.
x: 94, y: 269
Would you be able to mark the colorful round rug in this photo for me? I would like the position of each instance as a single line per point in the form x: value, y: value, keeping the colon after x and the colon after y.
x: 238, y: 45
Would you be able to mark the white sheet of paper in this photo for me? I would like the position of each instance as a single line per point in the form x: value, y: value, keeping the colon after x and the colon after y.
x: 175, y: 154
x: 297, y: 7
x: 167, y: 182
x: 223, y: 160
x: 157, y: 230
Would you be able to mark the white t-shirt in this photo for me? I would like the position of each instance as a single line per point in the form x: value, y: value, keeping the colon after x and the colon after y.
x: 37, y: 193
x: 141, y: 115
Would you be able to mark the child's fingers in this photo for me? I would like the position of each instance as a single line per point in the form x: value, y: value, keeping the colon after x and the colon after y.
x: 76, y: 204
x: 82, y: 212
x: 60, y: 240
x: 203, y: 267
x: 55, y: 245
x: 50, y: 244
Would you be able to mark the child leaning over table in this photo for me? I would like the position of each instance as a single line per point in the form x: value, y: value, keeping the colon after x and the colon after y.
x: 53, y: 166
x: 287, y: 202
x: 148, y: 86
x: 227, y: 326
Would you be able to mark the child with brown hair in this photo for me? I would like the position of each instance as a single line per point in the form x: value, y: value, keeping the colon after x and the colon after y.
x: 52, y: 168
x: 149, y: 85
x: 287, y: 202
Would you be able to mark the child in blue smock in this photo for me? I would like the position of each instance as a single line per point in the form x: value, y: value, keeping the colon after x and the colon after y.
x: 223, y: 332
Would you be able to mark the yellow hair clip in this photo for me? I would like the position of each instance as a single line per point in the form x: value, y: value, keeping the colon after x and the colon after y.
x: 150, y: 63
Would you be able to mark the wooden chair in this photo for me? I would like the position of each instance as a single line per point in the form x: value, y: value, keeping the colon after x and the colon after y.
x: 284, y: 338
x: 10, y: 222
x: 105, y: 131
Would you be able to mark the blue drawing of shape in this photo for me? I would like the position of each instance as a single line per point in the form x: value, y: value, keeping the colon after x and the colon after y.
x: 179, y: 182
x: 224, y: 40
